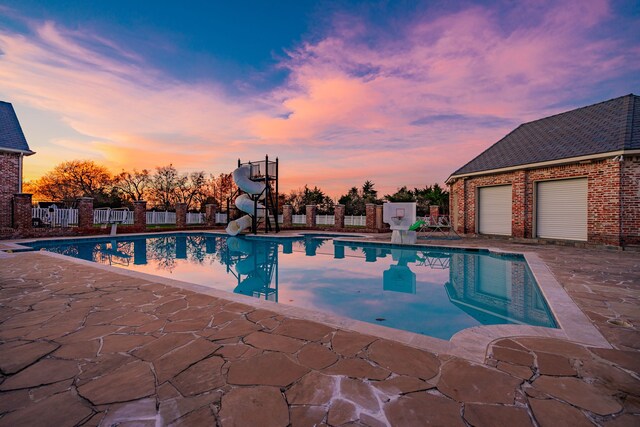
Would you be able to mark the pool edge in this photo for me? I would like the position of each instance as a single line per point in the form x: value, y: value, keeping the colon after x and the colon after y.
x: 470, y: 343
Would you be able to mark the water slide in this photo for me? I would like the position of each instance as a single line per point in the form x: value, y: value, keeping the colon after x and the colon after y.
x: 241, y: 177
x: 256, y: 256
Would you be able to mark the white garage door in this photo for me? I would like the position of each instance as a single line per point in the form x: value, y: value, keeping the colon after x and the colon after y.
x: 562, y: 209
x: 495, y: 210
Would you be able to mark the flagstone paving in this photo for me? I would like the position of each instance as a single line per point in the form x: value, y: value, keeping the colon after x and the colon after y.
x: 86, y: 346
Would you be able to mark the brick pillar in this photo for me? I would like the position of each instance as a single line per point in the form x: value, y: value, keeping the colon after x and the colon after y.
x: 22, y: 211
x: 434, y: 212
x: 454, y: 214
x: 287, y: 216
x: 85, y: 212
x: 519, y: 208
x: 339, y: 216
x: 371, y: 215
x: 457, y: 201
x: 181, y: 215
x: 140, y: 214
x: 211, y: 215
x: 311, y: 215
x: 379, y: 223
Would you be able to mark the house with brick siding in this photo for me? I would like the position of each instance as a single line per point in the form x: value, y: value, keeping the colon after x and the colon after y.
x: 13, y: 148
x: 574, y: 176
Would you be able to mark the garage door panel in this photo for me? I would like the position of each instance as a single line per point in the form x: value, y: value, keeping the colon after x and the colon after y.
x: 494, y: 214
x: 562, y: 209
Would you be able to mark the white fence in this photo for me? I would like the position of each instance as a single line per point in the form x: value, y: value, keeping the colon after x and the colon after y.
x: 359, y: 220
x: 196, y: 218
x: 299, y: 219
x: 325, y: 219
x: 221, y: 218
x: 157, y: 218
x: 66, y: 217
x: 104, y: 216
x: 57, y: 217
x: 349, y: 220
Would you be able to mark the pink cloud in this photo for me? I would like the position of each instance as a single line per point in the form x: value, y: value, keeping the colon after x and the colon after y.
x: 406, y: 108
x: 412, y: 109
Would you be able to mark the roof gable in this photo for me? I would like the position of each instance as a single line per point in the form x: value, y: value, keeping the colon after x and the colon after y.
x: 11, y: 136
x: 609, y: 126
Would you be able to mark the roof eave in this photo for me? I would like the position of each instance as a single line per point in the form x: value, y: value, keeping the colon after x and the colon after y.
x: 536, y: 165
x: 14, y: 150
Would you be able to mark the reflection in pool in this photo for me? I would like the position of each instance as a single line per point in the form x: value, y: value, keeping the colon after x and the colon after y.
x: 430, y: 291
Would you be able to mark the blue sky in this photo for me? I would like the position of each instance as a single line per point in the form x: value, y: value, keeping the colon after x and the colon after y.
x: 226, y: 41
x: 398, y: 92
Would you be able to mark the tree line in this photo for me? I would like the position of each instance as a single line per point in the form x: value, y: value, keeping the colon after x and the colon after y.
x: 162, y: 189
x: 165, y: 186
x: 356, y: 199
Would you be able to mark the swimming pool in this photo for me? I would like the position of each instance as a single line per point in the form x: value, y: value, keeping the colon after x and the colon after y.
x: 430, y: 291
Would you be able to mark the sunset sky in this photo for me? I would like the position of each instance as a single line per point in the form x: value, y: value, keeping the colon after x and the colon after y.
x: 397, y: 92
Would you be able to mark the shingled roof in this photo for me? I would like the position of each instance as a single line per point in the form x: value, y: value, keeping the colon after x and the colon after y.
x: 606, y: 127
x: 11, y: 136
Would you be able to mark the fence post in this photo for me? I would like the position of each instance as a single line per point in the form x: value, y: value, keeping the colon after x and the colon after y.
x: 370, y: 210
x: 211, y: 215
x: 181, y: 215
x: 338, y: 214
x: 434, y: 211
x: 311, y: 215
x: 379, y: 223
x: 85, y: 212
x: 22, y: 211
x: 140, y: 214
x: 287, y: 216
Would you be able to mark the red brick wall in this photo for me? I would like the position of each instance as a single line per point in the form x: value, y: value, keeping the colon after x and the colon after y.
x: 519, y: 210
x: 287, y: 216
x: 311, y: 211
x: 631, y: 200
x: 370, y: 211
x: 85, y: 212
x: 338, y: 214
x: 604, y: 198
x: 9, y: 183
x: 466, y: 190
x: 181, y: 215
x: 22, y: 211
x: 140, y: 214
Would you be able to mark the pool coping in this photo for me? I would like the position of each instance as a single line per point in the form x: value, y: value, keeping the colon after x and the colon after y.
x: 470, y: 343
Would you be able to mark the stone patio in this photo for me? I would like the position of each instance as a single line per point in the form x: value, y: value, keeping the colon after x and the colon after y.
x: 81, y: 345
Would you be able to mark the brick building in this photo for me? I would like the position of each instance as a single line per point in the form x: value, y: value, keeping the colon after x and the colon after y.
x: 572, y: 176
x: 13, y: 148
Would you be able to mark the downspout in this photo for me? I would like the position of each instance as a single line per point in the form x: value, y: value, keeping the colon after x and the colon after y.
x: 20, y: 173
x: 621, y: 195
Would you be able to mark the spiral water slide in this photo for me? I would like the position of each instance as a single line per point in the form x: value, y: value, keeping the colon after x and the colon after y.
x: 241, y: 177
x: 256, y: 256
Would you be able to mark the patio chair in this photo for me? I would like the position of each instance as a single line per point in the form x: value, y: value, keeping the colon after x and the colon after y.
x: 440, y: 225
x: 426, y: 225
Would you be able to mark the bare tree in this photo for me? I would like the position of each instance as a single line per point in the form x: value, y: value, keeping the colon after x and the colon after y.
x: 134, y: 185
x: 222, y: 187
x: 76, y: 178
x: 191, y: 188
x: 164, y: 184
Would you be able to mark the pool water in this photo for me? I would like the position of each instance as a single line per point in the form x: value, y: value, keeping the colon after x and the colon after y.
x: 430, y: 291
